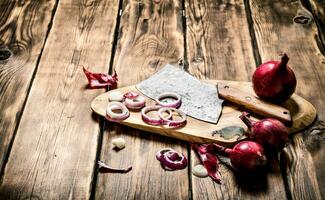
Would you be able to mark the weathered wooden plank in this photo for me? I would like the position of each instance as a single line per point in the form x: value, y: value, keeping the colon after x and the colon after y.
x: 150, y: 35
x: 23, y: 28
x: 220, y: 47
x: 317, y: 8
x: 53, y: 155
x: 276, y: 31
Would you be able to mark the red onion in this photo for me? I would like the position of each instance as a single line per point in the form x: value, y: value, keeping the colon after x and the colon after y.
x: 269, y: 132
x: 135, y: 103
x: 245, y: 156
x: 169, y: 121
x: 171, y: 159
x: 161, y: 152
x: 131, y: 95
x: 174, y: 104
x: 274, y: 81
x: 116, y: 117
x: 150, y: 120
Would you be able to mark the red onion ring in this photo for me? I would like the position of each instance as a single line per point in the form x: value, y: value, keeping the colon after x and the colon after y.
x: 135, y: 103
x: 169, y: 121
x: 174, y: 104
x: 130, y: 95
x: 171, y: 159
x: 116, y: 117
x: 151, y: 120
x: 161, y: 152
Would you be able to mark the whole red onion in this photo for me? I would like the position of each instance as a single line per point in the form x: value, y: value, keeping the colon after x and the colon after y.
x: 274, y: 81
x: 245, y: 156
x: 269, y: 132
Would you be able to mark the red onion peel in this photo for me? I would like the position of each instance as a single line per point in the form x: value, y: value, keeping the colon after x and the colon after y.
x: 209, y: 161
x: 105, y: 168
x: 100, y: 80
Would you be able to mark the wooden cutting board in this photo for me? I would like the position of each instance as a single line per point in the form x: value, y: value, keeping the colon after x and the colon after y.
x: 303, y: 114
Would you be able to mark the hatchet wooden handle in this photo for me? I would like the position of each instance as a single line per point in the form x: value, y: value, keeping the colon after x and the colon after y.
x: 253, y: 104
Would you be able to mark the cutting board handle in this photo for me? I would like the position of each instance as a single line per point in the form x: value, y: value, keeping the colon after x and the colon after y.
x: 253, y: 104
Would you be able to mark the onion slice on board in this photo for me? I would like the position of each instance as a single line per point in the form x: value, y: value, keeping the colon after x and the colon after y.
x: 131, y: 95
x: 116, y: 117
x: 135, y: 103
x: 169, y: 121
x: 150, y: 120
x: 174, y: 104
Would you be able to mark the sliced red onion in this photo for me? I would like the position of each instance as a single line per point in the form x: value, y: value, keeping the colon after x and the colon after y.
x: 116, y: 117
x: 151, y: 120
x: 161, y: 152
x: 174, y: 104
x: 173, y: 160
x: 131, y: 95
x: 170, y: 159
x: 169, y: 121
x: 135, y: 103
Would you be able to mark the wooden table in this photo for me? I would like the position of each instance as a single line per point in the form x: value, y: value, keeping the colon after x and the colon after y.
x: 50, y: 141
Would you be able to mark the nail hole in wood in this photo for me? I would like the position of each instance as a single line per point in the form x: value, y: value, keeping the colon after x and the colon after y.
x: 4, y: 54
x: 248, y: 98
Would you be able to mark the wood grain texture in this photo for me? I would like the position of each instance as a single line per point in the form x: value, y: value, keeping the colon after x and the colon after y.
x: 202, y: 132
x: 53, y: 155
x: 23, y: 28
x: 218, y: 34
x: 150, y: 35
x: 317, y: 8
x: 218, y: 40
x: 276, y: 31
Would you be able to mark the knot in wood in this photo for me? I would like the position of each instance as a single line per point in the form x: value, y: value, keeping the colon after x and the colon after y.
x: 4, y: 54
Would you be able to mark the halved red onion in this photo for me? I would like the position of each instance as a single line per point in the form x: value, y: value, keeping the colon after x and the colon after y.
x: 174, y: 104
x: 150, y: 120
x: 116, y: 117
x: 171, y: 159
x: 169, y: 121
x: 131, y: 95
x: 135, y: 103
